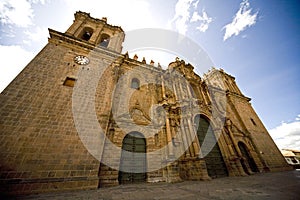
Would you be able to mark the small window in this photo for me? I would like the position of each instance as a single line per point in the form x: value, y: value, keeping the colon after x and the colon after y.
x: 135, y: 83
x: 253, y: 122
x: 70, y: 82
x: 104, y: 40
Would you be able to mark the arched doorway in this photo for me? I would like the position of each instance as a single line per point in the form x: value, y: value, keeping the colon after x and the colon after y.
x: 133, y: 159
x: 250, y: 161
x: 214, y: 161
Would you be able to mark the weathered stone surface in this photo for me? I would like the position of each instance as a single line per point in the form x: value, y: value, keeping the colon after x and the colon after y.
x: 54, y: 111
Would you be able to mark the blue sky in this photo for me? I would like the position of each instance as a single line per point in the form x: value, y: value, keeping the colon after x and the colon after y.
x: 257, y: 42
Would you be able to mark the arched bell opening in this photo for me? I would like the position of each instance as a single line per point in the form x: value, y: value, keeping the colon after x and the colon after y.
x: 104, y: 40
x: 86, y: 33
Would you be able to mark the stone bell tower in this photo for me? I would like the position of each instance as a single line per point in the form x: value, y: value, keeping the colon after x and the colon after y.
x: 96, y: 32
x: 41, y: 149
x: 250, y: 147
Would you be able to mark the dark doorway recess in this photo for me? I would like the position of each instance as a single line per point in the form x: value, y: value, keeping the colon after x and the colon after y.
x: 133, y: 159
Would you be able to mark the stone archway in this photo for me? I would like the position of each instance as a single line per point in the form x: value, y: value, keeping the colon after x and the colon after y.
x: 214, y: 160
x: 133, y: 166
x: 248, y: 160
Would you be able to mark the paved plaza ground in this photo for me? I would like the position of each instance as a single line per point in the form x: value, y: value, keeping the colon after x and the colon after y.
x: 276, y: 185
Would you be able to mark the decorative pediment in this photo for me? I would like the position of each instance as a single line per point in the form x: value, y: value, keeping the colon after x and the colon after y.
x: 236, y: 131
x: 233, y: 128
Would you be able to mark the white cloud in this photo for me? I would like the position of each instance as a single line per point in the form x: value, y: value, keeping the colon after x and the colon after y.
x: 11, y: 66
x: 196, y: 4
x: 39, y: 34
x: 9, y: 32
x: 182, y: 15
x: 38, y: 1
x: 186, y: 12
x: 195, y: 17
x: 18, y: 12
x: 242, y: 19
x: 287, y: 135
x: 204, y: 19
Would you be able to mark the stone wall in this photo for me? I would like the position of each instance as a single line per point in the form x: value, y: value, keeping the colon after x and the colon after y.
x: 40, y: 148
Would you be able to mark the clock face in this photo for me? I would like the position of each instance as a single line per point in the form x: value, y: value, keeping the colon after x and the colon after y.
x: 81, y: 60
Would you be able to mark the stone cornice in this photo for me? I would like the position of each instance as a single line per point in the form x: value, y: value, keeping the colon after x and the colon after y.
x: 228, y: 93
x: 87, y: 15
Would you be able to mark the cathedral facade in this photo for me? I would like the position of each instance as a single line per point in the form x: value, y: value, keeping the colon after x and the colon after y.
x: 82, y: 115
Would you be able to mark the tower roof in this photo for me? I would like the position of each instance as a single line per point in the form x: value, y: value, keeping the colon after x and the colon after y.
x: 80, y: 14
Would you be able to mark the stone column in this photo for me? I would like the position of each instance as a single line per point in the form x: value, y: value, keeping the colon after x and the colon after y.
x: 185, y: 140
x: 198, y: 92
x: 181, y: 91
x: 204, y: 96
x: 169, y: 137
x: 163, y: 87
x: 194, y: 139
x: 188, y: 89
x: 190, y: 139
x: 175, y: 91
x: 96, y: 35
x: 172, y: 165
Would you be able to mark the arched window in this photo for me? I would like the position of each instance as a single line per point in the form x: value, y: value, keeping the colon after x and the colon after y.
x: 135, y: 83
x: 86, y: 33
x: 104, y: 41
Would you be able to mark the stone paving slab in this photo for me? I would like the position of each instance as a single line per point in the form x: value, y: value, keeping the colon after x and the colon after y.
x: 276, y: 185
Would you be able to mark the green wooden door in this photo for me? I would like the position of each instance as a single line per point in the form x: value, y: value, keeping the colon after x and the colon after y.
x: 213, y: 157
x: 133, y: 166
